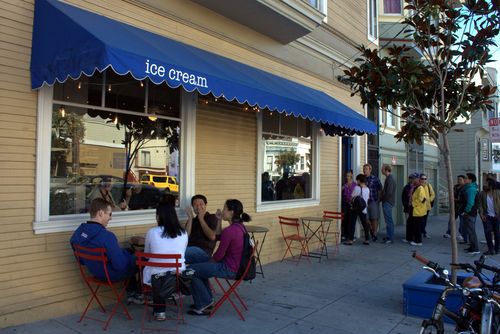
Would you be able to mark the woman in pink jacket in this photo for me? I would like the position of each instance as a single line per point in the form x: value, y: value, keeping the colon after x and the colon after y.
x: 226, y: 260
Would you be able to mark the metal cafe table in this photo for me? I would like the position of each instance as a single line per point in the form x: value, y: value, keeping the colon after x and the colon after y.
x: 252, y: 230
x: 314, y: 229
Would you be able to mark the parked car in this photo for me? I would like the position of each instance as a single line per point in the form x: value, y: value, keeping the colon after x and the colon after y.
x: 169, y: 183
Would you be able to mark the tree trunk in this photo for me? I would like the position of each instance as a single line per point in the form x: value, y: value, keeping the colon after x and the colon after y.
x: 453, y: 223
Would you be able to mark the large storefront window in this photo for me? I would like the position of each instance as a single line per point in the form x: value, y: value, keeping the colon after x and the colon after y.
x: 287, y: 157
x: 113, y: 137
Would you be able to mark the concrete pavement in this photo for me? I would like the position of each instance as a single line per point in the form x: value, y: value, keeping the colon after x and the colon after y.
x: 358, y: 290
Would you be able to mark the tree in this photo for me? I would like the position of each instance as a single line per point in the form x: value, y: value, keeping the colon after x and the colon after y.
x: 455, y: 39
x: 286, y: 160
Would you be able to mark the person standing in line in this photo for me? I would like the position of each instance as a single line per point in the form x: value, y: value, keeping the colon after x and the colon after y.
x: 419, y: 199
x: 430, y: 203
x: 489, y: 210
x: 373, y: 183
x: 360, y: 190
x: 388, y: 200
x: 469, y: 213
x: 347, y: 190
x: 456, y: 194
x: 406, y: 199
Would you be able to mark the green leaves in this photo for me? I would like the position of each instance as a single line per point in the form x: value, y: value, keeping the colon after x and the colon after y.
x: 433, y: 91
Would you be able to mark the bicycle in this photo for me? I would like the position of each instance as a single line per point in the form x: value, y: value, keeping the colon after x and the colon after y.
x: 480, y: 312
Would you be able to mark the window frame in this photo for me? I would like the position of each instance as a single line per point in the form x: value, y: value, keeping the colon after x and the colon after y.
x: 263, y: 206
x: 44, y: 223
x: 372, y: 19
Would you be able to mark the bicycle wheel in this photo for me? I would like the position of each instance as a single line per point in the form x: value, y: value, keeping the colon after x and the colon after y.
x: 431, y: 327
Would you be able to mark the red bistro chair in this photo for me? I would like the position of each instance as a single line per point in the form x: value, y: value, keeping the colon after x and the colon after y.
x: 231, y: 289
x: 151, y: 260
x: 85, y: 254
x: 291, y: 235
x: 332, y: 228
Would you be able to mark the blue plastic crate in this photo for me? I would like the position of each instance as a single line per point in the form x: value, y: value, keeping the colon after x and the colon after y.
x: 421, y: 292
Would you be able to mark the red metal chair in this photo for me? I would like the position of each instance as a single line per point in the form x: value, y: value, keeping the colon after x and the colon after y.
x: 231, y: 289
x: 291, y: 235
x: 151, y: 260
x: 332, y: 228
x: 85, y: 254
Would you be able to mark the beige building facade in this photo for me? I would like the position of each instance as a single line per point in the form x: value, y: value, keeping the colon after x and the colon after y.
x: 219, y: 145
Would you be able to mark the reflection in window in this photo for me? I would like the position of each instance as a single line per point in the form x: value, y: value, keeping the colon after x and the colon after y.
x: 287, y: 149
x: 105, y: 152
x: 392, y: 6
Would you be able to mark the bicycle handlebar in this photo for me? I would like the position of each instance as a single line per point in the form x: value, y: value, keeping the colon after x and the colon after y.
x: 423, y: 260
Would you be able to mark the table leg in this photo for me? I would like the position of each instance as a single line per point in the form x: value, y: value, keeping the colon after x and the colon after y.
x: 258, y: 250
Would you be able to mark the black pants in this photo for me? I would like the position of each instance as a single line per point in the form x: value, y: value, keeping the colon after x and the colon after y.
x: 344, y: 226
x: 491, y: 225
x: 424, y: 224
x: 352, y: 224
x: 416, y: 229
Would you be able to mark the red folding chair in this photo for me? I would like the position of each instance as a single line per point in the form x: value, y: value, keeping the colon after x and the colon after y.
x: 291, y: 235
x: 85, y: 254
x: 151, y: 260
x: 332, y: 228
x: 231, y: 289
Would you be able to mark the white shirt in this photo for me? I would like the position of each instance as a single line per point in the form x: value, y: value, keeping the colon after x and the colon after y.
x: 156, y: 244
x: 490, y: 205
x: 365, y: 192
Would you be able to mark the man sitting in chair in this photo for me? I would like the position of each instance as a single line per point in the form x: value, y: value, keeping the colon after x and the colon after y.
x: 93, y: 234
x: 202, y: 229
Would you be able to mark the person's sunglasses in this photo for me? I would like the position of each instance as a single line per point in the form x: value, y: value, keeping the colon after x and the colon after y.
x: 424, y: 179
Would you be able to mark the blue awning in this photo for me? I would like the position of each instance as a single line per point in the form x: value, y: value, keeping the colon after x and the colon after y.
x: 69, y: 42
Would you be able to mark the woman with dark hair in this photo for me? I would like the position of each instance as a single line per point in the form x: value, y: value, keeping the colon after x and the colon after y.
x: 167, y: 238
x: 226, y: 260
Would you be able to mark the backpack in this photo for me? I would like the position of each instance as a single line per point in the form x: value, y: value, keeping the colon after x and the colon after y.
x: 358, y: 203
x: 246, y: 254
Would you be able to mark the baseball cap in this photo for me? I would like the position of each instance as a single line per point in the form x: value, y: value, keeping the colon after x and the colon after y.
x: 414, y: 175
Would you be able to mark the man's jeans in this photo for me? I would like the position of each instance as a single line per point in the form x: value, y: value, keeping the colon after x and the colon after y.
x: 387, y: 208
x: 195, y: 254
x: 470, y: 228
x: 491, y: 226
x: 200, y: 287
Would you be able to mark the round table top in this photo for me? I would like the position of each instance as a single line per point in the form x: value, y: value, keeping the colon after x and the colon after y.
x: 316, y: 219
x: 256, y: 229
x: 137, y: 240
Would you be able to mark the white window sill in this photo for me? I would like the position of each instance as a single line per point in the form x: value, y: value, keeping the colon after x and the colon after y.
x: 281, y: 205
x: 70, y: 223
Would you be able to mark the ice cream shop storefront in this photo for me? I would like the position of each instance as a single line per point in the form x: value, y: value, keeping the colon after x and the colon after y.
x: 122, y: 104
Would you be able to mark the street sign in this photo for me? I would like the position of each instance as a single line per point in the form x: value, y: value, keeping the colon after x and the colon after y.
x: 494, y: 124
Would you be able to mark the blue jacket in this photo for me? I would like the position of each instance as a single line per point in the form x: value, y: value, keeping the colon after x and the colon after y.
x: 121, y: 263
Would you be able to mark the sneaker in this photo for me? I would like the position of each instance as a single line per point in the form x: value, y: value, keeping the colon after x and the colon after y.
x: 404, y: 240
x: 388, y: 242
x: 473, y: 252
x: 136, y: 298
x: 446, y: 236
x: 427, y: 236
x: 374, y: 238
x: 460, y: 238
x: 160, y: 316
x: 489, y: 252
x: 463, y: 242
x: 413, y: 243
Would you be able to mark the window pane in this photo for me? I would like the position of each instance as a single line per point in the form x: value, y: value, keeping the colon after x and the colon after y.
x: 289, y: 177
x: 163, y: 100
x: 85, y: 90
x: 270, y: 122
x: 288, y: 125
x: 93, y: 152
x: 392, y: 6
x: 124, y: 92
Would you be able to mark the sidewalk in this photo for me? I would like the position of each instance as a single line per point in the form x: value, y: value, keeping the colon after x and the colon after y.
x: 358, y: 290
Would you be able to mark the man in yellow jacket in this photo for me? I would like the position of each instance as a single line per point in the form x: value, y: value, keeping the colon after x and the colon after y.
x: 419, y: 201
x: 431, y: 195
